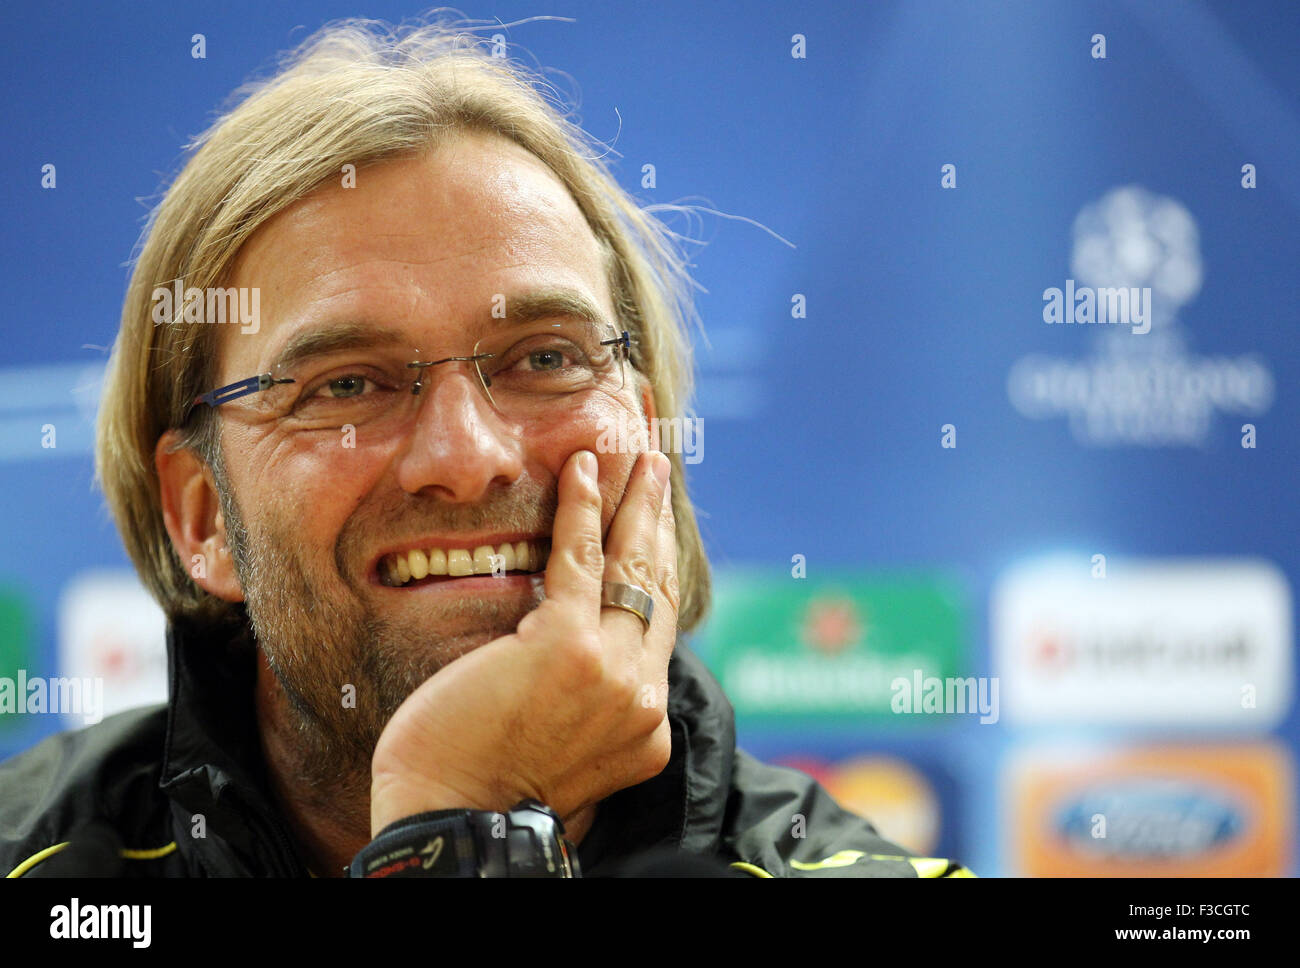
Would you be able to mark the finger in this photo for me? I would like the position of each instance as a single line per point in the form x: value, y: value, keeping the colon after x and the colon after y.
x: 657, y: 647
x: 577, y: 563
x: 632, y: 539
x: 630, y: 544
x: 667, y: 600
x: 666, y: 553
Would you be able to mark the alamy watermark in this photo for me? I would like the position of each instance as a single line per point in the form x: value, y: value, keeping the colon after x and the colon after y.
x: 930, y: 694
x: 1129, y: 306
x: 216, y: 304
x: 677, y: 435
x: 68, y: 695
x: 76, y: 921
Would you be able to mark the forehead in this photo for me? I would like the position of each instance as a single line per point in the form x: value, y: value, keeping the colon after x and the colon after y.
x: 428, y: 245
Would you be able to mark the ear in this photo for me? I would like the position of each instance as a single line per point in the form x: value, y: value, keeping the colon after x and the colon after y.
x: 192, y: 514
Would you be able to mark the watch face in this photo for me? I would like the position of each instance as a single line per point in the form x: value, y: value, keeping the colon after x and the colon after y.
x: 535, y: 844
x: 539, y: 807
x: 527, y: 842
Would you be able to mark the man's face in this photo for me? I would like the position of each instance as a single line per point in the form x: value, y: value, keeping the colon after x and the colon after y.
x: 423, y: 247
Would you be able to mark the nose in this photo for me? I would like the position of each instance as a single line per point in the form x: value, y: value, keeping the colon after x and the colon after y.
x: 460, y: 445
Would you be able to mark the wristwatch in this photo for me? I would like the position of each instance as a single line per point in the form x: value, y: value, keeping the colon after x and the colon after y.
x: 526, y: 842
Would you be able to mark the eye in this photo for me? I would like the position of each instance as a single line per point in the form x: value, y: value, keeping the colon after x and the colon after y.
x: 547, y: 359
x: 354, y: 383
x: 542, y: 356
x: 351, y: 385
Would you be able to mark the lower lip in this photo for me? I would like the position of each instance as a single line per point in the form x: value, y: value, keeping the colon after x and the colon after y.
x: 474, y: 584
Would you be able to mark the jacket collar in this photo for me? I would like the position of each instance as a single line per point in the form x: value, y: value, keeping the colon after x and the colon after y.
x: 213, y: 765
x: 212, y: 758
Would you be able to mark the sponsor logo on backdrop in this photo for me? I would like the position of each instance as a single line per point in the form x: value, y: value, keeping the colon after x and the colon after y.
x: 830, y: 648
x: 110, y: 628
x: 1176, y: 641
x: 1174, y: 810
x: 16, y: 625
x: 1150, y: 819
x: 1136, y: 263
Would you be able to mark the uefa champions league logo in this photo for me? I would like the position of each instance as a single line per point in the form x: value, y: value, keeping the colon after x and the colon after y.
x: 1134, y: 250
x: 1132, y: 238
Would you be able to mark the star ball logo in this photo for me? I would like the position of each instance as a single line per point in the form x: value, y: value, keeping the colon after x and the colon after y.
x: 1136, y: 261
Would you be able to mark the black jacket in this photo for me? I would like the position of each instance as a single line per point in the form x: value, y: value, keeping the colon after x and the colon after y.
x: 121, y: 798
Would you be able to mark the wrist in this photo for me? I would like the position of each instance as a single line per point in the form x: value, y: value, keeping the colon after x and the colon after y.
x: 391, y: 803
x: 527, y: 841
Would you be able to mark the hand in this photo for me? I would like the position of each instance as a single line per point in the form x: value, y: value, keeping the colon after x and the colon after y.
x: 573, y: 705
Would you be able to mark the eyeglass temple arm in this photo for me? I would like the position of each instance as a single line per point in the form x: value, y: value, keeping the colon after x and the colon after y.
x: 232, y: 391
x: 623, y: 339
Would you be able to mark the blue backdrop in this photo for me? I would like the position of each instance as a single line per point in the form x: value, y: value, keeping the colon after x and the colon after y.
x: 824, y: 430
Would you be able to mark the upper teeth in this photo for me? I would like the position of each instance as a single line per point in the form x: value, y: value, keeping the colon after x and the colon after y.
x: 401, y: 567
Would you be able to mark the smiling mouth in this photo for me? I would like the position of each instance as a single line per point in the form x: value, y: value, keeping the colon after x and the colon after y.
x: 403, y: 569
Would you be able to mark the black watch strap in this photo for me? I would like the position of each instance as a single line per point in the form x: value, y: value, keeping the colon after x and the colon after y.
x: 526, y: 842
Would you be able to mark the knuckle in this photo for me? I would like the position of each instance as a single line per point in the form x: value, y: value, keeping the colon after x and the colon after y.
x: 640, y: 566
x: 670, y: 589
x: 528, y: 625
x: 654, y: 754
x: 627, y: 691
x: 543, y: 620
x: 583, y: 658
x: 586, y: 552
x: 650, y: 707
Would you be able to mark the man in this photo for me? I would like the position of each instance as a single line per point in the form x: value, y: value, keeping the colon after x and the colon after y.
x: 424, y: 620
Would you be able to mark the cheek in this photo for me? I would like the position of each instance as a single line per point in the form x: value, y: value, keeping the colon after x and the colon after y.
x: 594, y: 425
x: 312, y: 486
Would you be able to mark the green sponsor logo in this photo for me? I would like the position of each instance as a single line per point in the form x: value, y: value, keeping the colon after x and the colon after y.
x: 828, y: 649
x: 15, y: 642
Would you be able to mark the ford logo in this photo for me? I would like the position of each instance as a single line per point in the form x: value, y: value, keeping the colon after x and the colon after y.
x: 1148, y: 819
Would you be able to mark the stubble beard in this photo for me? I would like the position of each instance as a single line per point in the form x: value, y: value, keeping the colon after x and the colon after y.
x: 320, y: 637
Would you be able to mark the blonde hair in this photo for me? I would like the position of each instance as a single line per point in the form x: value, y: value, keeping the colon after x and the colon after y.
x: 359, y: 92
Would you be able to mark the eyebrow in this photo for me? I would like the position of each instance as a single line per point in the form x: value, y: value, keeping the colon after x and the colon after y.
x: 546, y: 303
x: 332, y: 338
x: 525, y: 308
